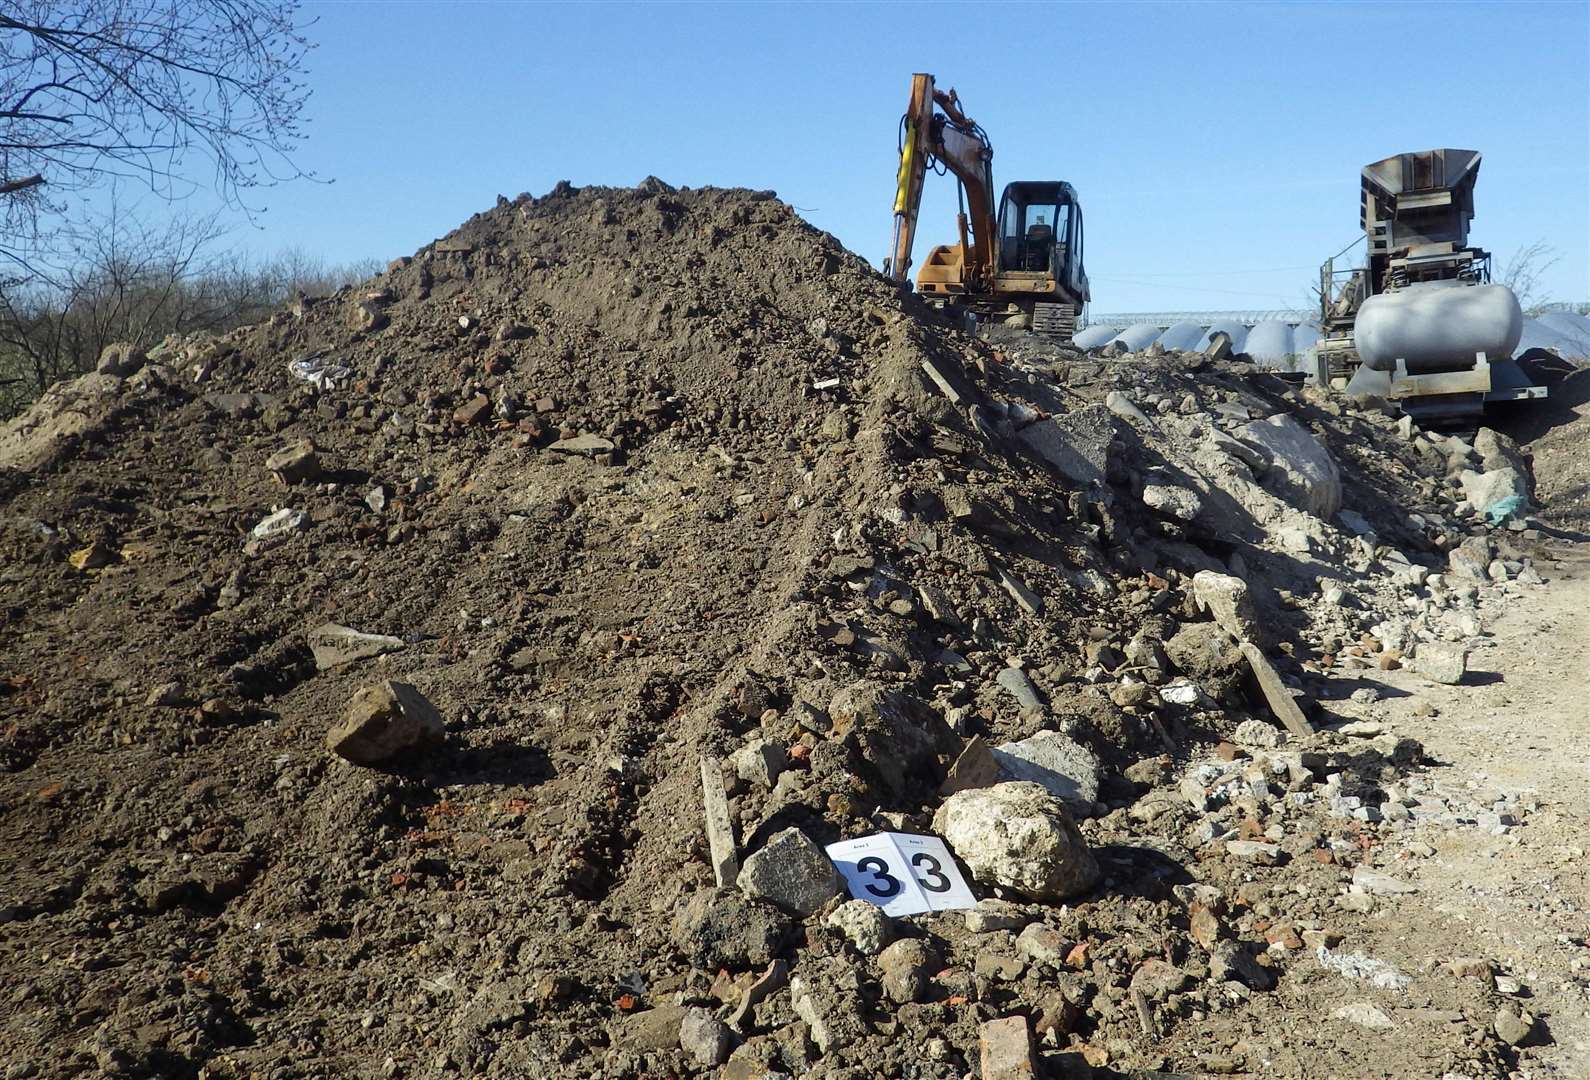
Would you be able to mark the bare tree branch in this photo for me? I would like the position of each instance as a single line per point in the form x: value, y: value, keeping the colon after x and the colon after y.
x: 93, y: 90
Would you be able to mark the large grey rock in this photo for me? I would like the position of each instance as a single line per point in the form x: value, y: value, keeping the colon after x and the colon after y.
x: 1078, y: 444
x: 1180, y: 503
x: 1301, y: 470
x: 1020, y: 837
x: 382, y: 721
x: 1229, y: 602
x: 1063, y: 767
x: 1445, y: 662
x: 792, y: 872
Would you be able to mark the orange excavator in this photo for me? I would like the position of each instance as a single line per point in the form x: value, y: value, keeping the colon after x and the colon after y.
x: 1022, y: 265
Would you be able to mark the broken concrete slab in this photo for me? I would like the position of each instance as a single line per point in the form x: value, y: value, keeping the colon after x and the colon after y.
x: 724, y: 852
x: 1301, y: 471
x: 1077, y: 444
x: 1062, y: 766
x: 335, y: 645
x: 1275, y: 692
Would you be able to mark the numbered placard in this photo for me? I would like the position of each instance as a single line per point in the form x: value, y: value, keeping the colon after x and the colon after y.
x: 902, y: 873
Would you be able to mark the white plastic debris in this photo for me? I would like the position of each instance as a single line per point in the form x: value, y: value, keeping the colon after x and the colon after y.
x: 317, y: 371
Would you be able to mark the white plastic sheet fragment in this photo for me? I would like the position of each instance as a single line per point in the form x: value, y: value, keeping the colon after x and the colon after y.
x: 322, y: 374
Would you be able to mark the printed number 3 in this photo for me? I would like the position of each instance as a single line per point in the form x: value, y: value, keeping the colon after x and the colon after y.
x: 936, y: 881
x: 888, y: 885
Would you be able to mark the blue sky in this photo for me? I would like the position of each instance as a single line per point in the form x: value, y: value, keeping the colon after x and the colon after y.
x: 1215, y: 146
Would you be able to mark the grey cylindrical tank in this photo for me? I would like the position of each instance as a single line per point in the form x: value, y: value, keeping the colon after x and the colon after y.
x: 1269, y: 343
x: 1438, y: 326
x: 1094, y: 336
x: 1138, y: 336
x: 1181, y: 336
x: 1235, y: 330
x: 1304, y: 337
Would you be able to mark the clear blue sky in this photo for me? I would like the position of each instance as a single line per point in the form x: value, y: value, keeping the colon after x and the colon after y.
x: 1215, y: 146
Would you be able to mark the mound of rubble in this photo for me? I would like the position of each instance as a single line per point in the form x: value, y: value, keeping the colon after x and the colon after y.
x: 467, y: 673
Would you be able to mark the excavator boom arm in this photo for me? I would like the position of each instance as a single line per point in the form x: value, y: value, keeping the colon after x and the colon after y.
x: 961, y: 146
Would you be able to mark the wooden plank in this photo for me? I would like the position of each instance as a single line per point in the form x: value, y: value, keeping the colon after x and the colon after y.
x: 1275, y: 692
x: 720, y: 830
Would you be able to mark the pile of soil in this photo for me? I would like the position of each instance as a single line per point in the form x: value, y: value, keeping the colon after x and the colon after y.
x: 633, y: 476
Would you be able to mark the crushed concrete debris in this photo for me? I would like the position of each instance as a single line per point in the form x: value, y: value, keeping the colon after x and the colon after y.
x: 656, y: 478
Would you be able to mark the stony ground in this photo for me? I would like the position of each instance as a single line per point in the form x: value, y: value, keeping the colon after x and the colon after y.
x: 1248, y: 716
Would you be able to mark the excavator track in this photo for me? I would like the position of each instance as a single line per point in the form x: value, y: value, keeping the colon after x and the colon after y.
x: 1057, y: 322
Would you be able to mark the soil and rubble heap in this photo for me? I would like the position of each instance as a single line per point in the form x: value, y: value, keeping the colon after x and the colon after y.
x: 360, y: 670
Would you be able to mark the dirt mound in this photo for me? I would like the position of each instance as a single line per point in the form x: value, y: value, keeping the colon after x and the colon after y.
x: 620, y: 478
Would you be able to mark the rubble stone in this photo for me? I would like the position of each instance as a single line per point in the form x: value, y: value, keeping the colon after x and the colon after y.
x: 334, y: 646
x: 1018, y: 836
x: 1007, y: 1051
x: 1302, y: 471
x: 897, y: 737
x: 1442, y: 661
x: 1180, y: 503
x: 1229, y: 602
x: 295, y: 464
x: 864, y: 925
x: 907, y: 966
x: 1513, y: 1027
x: 791, y: 871
x: 1064, y: 767
x: 1229, y: 961
x: 382, y: 721
x: 705, y: 1038
x: 833, y: 1019
x: 991, y: 915
x: 720, y: 928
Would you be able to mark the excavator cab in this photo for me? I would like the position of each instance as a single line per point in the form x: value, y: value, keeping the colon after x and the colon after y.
x: 1040, y: 231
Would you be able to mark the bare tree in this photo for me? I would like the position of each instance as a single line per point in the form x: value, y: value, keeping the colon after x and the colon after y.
x: 1524, y: 273
x: 95, y: 90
